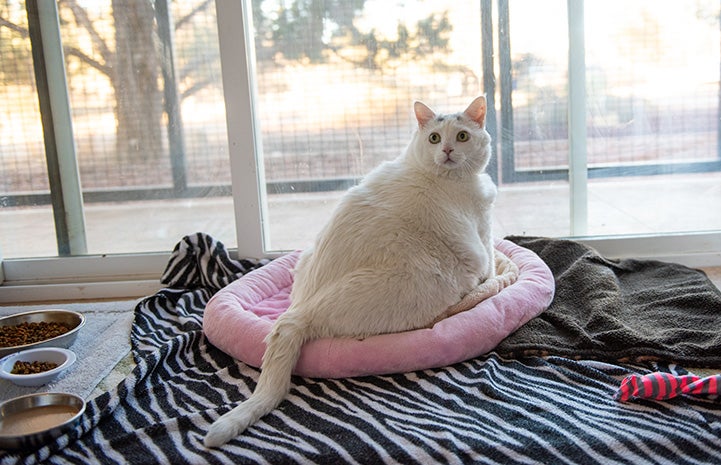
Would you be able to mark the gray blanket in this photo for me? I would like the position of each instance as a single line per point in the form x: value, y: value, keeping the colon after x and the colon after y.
x: 621, y: 310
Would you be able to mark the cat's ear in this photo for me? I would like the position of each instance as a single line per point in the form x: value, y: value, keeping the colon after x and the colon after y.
x: 423, y: 113
x: 477, y: 111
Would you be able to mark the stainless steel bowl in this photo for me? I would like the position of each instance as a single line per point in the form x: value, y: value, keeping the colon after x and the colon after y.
x: 73, y: 320
x: 28, y: 422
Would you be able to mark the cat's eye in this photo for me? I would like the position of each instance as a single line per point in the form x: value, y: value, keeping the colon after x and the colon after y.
x: 434, y: 138
x: 463, y: 136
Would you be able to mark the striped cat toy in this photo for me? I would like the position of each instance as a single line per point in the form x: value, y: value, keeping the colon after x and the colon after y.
x: 661, y: 386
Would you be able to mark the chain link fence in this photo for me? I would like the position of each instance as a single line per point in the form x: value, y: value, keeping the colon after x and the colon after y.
x: 337, y: 103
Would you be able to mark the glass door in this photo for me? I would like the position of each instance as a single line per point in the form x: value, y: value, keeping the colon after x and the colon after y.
x: 334, y: 84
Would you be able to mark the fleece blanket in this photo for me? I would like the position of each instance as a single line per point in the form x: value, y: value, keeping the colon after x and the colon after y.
x: 489, y: 409
x: 621, y: 310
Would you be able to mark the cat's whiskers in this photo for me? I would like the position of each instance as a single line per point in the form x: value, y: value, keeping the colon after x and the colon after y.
x: 439, y: 169
x: 468, y: 169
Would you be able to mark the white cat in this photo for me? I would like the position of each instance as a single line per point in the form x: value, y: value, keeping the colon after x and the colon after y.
x: 400, y: 251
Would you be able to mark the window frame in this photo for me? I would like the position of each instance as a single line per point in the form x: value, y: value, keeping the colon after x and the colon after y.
x: 135, y: 275
x: 237, y: 58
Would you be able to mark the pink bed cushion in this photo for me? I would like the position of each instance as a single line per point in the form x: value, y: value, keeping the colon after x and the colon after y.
x: 239, y: 316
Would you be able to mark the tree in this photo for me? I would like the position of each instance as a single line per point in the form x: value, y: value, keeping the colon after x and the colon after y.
x: 299, y: 29
x: 126, y: 53
x: 134, y: 77
x: 316, y: 29
x: 13, y: 30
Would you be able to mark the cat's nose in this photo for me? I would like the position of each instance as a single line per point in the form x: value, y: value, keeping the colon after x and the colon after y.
x: 447, y: 150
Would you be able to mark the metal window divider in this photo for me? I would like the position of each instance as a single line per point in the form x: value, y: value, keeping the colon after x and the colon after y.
x: 64, y: 176
x: 577, y: 154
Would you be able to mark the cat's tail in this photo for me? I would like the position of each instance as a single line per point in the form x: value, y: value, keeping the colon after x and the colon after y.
x: 283, y: 346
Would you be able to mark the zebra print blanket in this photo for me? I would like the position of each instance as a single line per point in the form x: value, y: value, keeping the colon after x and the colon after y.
x: 485, y: 410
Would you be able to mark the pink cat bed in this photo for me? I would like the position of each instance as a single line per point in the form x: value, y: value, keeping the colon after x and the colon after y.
x: 239, y: 316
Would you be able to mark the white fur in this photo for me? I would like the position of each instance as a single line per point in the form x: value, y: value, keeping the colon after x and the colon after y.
x: 402, y: 247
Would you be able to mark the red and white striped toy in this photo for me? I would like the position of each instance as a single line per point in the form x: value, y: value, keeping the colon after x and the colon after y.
x: 661, y: 386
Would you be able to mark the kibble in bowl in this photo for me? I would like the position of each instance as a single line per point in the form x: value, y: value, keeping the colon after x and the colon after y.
x: 40, y: 328
x: 35, y: 367
x: 32, y: 368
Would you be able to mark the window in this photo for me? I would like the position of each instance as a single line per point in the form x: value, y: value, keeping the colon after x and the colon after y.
x: 146, y: 132
x: 286, y: 103
x: 332, y: 92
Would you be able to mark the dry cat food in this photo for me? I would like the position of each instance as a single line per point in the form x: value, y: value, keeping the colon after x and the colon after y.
x: 28, y: 333
x: 31, y: 368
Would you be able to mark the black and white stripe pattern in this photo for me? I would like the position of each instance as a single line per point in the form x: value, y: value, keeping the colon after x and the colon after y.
x: 199, y: 260
x: 486, y: 410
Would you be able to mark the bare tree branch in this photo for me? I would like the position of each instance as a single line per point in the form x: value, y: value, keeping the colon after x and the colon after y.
x: 73, y: 51
x: 81, y: 18
x: 189, y: 16
x: 14, y: 27
x: 194, y: 63
x: 197, y: 86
